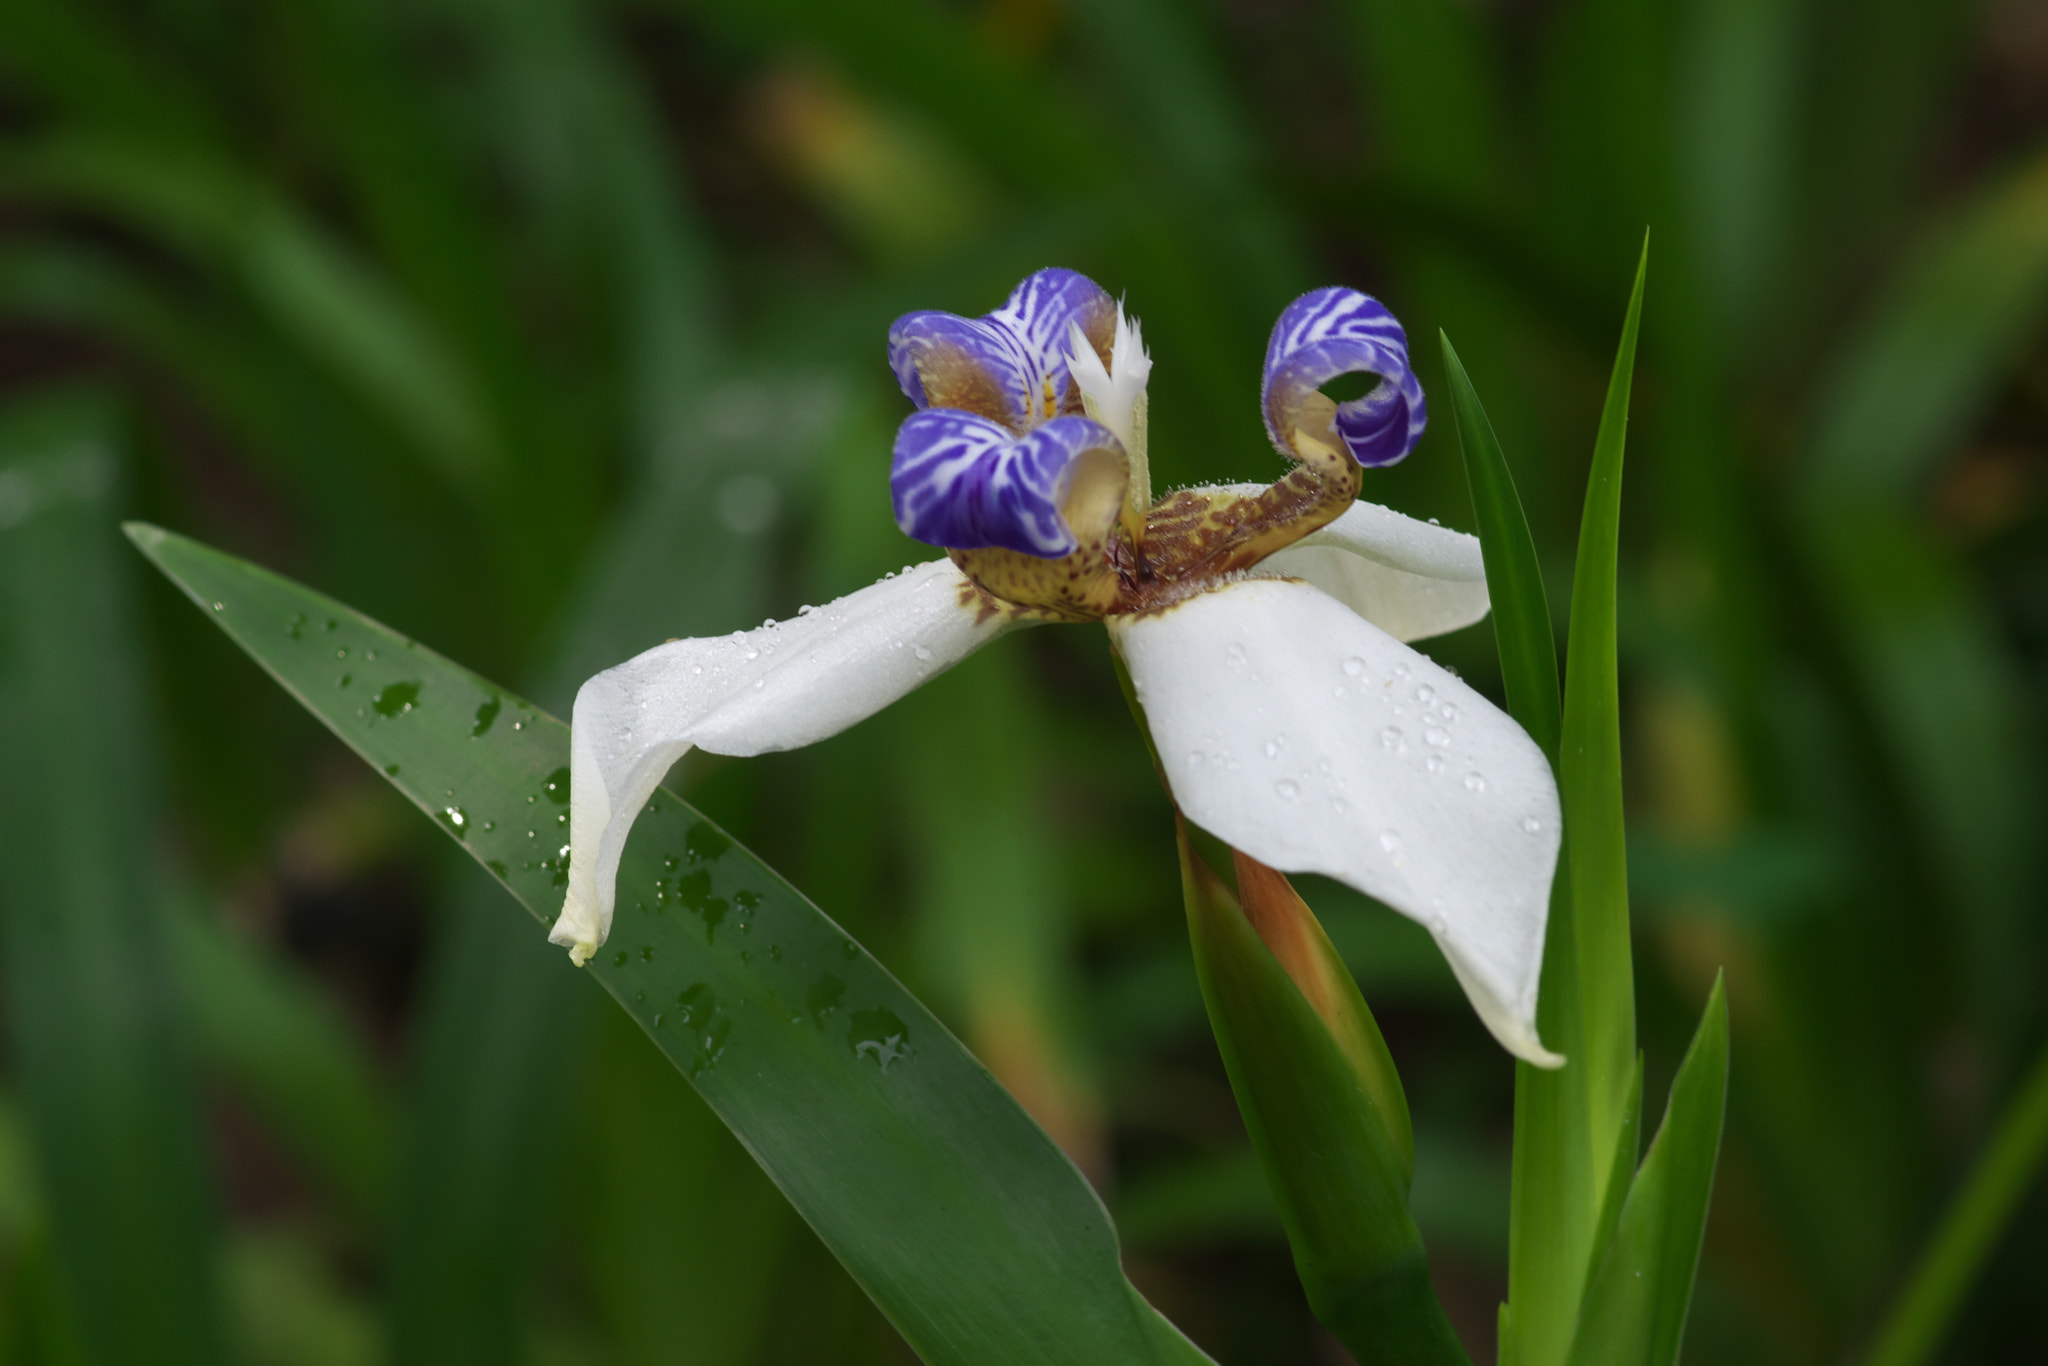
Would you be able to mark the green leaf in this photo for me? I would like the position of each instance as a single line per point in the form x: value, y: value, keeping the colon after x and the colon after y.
x: 1571, y: 1125
x: 267, y: 1033
x: 1927, y: 650
x: 338, y: 307
x: 1514, y: 578
x: 957, y: 1215
x: 1635, y: 1307
x: 109, y: 1096
x: 1970, y: 1230
x: 1337, y: 1161
x: 490, y: 1110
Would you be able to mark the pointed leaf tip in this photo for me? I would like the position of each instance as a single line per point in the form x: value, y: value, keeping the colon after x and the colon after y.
x: 146, y: 535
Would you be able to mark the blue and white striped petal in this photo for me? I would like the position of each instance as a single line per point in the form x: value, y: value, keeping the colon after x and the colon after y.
x: 1009, y: 366
x: 1332, y: 332
x: 964, y: 482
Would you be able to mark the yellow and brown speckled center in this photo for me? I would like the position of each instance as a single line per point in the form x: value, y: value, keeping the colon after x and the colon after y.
x: 1192, y: 539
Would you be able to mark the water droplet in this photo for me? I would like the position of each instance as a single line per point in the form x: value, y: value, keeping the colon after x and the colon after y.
x: 1390, y: 840
x: 1275, y: 745
x: 391, y: 770
x: 332, y: 625
x: 1437, y: 735
x: 342, y: 653
x: 1354, y: 666
x: 1425, y: 694
x: 297, y: 629
x: 1339, y: 805
x: 344, y: 680
x: 1234, y: 652
x: 922, y: 653
x: 824, y: 997
x: 556, y: 788
x: 1531, y: 826
x: 1475, y: 782
x: 1288, y: 789
x: 489, y: 826
x: 397, y: 699
x: 647, y: 953
x: 878, y: 1036
x: 619, y: 959
x: 1391, y: 737
x: 455, y: 818
x: 1435, y: 764
x: 220, y: 607
x: 485, y: 715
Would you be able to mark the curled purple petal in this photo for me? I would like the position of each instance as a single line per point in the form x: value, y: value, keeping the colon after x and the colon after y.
x: 1009, y: 366
x: 1332, y: 332
x: 964, y: 482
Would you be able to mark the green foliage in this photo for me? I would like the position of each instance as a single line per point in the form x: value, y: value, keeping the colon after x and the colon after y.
x: 479, y: 314
x: 957, y: 1215
x: 1637, y: 1298
x: 103, y: 1070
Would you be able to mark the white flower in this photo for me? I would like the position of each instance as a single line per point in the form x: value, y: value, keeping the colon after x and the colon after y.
x: 1264, y: 629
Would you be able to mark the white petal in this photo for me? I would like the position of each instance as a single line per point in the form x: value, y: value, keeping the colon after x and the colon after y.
x: 1317, y: 743
x: 1409, y: 578
x: 751, y: 692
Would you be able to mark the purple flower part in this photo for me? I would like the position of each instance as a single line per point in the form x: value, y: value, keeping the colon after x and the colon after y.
x: 963, y: 482
x: 1009, y: 366
x: 1332, y: 332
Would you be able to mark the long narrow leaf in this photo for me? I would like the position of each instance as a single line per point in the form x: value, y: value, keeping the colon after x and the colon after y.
x: 110, y: 1099
x: 956, y: 1213
x: 1635, y: 1308
x: 1570, y: 1125
x: 1514, y: 579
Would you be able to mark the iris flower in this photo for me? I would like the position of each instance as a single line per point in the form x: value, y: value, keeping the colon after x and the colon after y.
x: 1263, y: 627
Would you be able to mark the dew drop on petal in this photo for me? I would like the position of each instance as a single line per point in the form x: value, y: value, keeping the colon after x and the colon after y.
x: 1437, y: 735
x: 1234, y: 652
x: 1531, y: 826
x: 1288, y: 789
x: 1354, y: 666
x: 1339, y: 805
x: 1436, y: 763
x: 1390, y: 840
x: 1425, y: 694
x: 922, y: 653
x: 1390, y: 738
x: 1475, y: 782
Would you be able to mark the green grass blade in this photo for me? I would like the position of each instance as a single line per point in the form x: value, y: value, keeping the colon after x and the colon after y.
x: 1934, y: 1292
x: 1570, y: 1124
x: 977, y: 1238
x: 503, y: 1033
x: 1926, y: 647
x: 110, y: 1100
x: 265, y: 1032
x: 1635, y: 1307
x: 1514, y: 579
x: 683, y: 1234
x: 339, y: 308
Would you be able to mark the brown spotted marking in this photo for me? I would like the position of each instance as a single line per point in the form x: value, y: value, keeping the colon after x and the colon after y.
x: 1193, y: 539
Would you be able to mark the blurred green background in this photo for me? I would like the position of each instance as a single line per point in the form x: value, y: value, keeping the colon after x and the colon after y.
x: 544, y: 330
